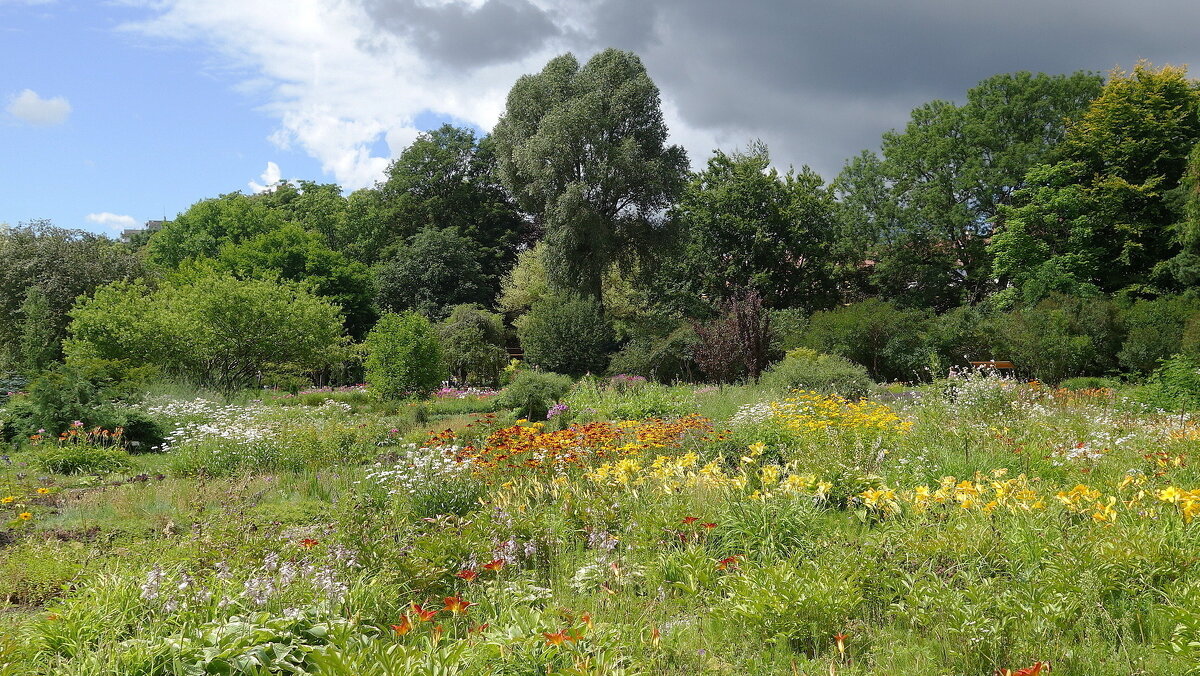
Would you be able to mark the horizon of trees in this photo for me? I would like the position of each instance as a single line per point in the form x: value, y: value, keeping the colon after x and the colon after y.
x: 1023, y: 209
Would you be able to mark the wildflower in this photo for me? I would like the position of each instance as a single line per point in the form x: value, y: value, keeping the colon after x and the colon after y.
x: 8, y: 499
x: 77, y: 423
x: 1033, y: 670
x: 556, y: 638
x: 457, y: 605
x: 404, y: 627
x: 655, y: 636
x: 43, y: 491
x: 468, y: 575
x: 728, y: 563
x: 840, y: 639
x: 308, y: 543
x: 495, y: 566
x: 708, y: 526
x: 425, y: 615
x: 689, y: 520
x: 478, y: 629
x: 25, y: 516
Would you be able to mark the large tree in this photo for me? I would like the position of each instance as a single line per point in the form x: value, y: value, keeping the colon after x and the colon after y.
x: 1100, y: 215
x: 746, y: 227
x: 584, y: 150
x: 946, y: 177
x: 44, y: 269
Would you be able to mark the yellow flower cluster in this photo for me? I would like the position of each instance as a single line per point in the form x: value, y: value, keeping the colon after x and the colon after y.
x: 810, y: 411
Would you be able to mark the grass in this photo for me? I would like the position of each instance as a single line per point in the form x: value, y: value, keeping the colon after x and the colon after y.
x: 590, y: 544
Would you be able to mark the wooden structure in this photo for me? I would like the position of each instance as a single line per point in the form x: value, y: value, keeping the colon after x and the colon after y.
x: 992, y: 364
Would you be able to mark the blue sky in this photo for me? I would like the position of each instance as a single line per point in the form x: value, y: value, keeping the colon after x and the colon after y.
x: 120, y: 111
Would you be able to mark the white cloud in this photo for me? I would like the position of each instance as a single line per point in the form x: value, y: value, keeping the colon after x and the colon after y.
x: 35, y: 110
x: 116, y: 222
x: 338, y: 84
x: 269, y: 178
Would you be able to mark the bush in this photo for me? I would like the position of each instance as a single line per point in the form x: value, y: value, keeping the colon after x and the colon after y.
x: 1061, y: 337
x: 566, y: 334
x: 472, y: 340
x: 1089, y: 383
x: 885, y: 339
x: 805, y: 369
x: 665, y: 359
x: 532, y: 393
x: 403, y: 356
x: 738, y: 343
x: 95, y: 392
x: 1154, y: 330
x: 82, y: 458
x: 1174, y: 386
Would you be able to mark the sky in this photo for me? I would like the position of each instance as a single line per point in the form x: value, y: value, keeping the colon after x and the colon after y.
x: 114, y: 112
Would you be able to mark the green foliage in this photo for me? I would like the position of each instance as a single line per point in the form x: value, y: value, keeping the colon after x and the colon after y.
x: 292, y: 253
x: 1174, y: 386
x: 403, y: 356
x: 472, y: 341
x: 81, y: 458
x: 566, y: 334
x: 45, y: 269
x: 210, y: 224
x: 214, y: 330
x: 532, y: 393
x: 435, y: 271
x: 584, y: 148
x: 1089, y: 383
x: 886, y: 339
x: 1154, y: 330
x: 662, y: 358
x: 805, y: 369
x: 745, y: 226
x: 1059, y: 338
x: 95, y: 393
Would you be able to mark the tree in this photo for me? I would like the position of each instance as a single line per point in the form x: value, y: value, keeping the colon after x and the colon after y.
x: 472, y: 340
x: 584, y: 151
x: 56, y: 266
x: 1100, y: 214
x: 318, y: 207
x: 294, y: 254
x: 403, y: 356
x: 951, y: 170
x: 737, y: 343
x: 206, y: 226
x: 213, y: 330
x: 746, y: 227
x: 436, y: 270
x: 566, y: 334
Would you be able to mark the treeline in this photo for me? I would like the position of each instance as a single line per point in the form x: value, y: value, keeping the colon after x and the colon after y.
x: 1050, y: 220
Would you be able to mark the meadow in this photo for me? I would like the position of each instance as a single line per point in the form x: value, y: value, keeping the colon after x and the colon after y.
x: 977, y: 525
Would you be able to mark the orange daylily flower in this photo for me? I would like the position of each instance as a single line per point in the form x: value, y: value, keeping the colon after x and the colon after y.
x: 841, y: 642
x: 468, y: 575
x: 655, y: 636
x: 457, y: 605
x: 404, y: 627
x: 425, y: 615
x: 308, y: 543
x: 1032, y: 670
x: 728, y: 563
x: 586, y: 618
x: 494, y: 566
x: 689, y: 520
x: 708, y: 526
x: 556, y: 638
x: 478, y: 629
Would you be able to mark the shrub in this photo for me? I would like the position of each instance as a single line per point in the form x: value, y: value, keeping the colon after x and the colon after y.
x: 472, y: 340
x: 1059, y: 338
x: 532, y: 393
x: 665, y: 359
x: 887, y: 340
x: 737, y: 343
x: 403, y: 356
x: 1174, y: 386
x: 1089, y: 383
x: 1154, y: 330
x: 566, y: 334
x: 82, y: 458
x: 805, y: 369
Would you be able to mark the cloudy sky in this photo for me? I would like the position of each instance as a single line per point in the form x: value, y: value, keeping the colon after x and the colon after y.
x: 113, y: 112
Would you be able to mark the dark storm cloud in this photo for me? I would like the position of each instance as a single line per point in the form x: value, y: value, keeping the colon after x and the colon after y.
x: 819, y: 81
x: 462, y: 36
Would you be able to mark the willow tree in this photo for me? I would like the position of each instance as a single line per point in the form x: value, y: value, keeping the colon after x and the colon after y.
x: 584, y: 150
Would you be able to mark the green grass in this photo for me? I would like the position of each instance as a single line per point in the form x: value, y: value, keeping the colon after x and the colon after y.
x: 298, y: 557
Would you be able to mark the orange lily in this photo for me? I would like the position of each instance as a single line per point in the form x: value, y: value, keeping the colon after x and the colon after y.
x: 425, y: 615
x: 404, y: 627
x: 457, y: 605
x: 468, y: 575
x: 494, y: 566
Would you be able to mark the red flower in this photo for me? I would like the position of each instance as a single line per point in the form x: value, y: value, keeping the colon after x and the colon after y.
x: 689, y: 520
x: 729, y: 563
x: 708, y: 526
x: 556, y: 638
x: 468, y: 575
x: 478, y: 629
x: 308, y: 543
x: 841, y: 642
x: 457, y: 605
x: 494, y: 566
x: 425, y: 615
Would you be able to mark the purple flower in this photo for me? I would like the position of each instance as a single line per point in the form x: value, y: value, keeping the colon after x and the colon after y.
x: 556, y: 410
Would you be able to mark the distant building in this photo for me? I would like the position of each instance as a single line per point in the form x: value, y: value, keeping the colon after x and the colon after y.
x: 151, y: 227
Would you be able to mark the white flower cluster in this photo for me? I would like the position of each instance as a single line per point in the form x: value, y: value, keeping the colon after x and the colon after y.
x: 752, y: 414
x: 417, y: 467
